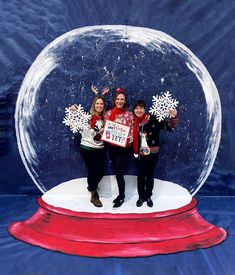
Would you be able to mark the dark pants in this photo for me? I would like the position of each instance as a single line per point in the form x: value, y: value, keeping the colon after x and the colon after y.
x: 120, y: 158
x: 94, y: 161
x: 145, y: 175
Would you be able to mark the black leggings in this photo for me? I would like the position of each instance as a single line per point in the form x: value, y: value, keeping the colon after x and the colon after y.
x: 94, y: 161
x: 145, y: 175
x: 120, y: 158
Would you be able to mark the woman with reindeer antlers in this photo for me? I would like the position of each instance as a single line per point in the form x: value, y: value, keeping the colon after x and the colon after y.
x: 92, y: 147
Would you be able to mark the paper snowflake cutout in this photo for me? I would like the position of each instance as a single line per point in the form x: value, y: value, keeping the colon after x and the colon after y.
x: 162, y: 105
x: 78, y: 120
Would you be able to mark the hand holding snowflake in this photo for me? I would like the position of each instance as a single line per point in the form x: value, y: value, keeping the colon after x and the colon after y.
x: 162, y: 106
x: 78, y: 120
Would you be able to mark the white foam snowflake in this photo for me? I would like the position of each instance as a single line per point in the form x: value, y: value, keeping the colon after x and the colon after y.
x: 78, y: 120
x: 162, y: 105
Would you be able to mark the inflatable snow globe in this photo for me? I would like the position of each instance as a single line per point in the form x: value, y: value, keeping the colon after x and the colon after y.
x: 147, y: 63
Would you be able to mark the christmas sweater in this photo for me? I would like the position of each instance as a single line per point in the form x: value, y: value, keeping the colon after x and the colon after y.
x: 91, y: 136
x: 151, y: 128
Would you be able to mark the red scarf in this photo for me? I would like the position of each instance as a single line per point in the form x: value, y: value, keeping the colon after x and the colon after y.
x: 94, y: 119
x: 116, y: 111
x: 138, y: 120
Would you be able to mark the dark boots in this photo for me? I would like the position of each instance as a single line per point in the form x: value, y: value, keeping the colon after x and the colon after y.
x: 95, y: 199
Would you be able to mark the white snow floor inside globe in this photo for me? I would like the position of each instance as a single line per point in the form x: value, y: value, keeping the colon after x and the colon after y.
x: 73, y: 195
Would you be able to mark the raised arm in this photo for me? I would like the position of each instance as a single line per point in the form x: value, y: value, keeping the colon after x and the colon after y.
x: 174, y: 119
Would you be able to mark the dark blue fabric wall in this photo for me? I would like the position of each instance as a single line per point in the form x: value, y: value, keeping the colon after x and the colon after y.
x: 26, y: 27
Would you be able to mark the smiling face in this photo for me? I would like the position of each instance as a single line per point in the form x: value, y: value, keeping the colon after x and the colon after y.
x: 99, y: 106
x: 120, y: 101
x: 139, y: 111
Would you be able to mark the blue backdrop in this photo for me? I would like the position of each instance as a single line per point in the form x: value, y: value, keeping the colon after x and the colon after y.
x: 205, y: 27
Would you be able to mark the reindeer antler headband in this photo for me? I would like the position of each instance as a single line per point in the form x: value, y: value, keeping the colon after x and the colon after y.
x: 96, y: 91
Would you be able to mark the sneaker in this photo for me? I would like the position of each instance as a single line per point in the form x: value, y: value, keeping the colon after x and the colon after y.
x: 118, y: 203
x: 149, y: 202
x: 140, y: 202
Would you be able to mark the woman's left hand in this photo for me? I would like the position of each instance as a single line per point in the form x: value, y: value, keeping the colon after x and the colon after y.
x: 173, y: 113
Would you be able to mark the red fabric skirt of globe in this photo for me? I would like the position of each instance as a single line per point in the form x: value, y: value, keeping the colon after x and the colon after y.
x: 117, y: 235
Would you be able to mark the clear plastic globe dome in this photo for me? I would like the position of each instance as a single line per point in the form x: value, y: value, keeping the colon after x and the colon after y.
x: 144, y: 61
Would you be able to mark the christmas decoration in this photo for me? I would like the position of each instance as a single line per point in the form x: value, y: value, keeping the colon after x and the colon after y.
x: 95, y: 90
x: 162, y: 105
x: 144, y: 149
x: 78, y: 120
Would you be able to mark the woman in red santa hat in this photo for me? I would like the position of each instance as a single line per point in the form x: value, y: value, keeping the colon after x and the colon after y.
x: 119, y: 155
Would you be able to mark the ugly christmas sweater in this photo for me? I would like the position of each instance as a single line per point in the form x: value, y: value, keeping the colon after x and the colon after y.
x: 151, y: 128
x: 91, y: 136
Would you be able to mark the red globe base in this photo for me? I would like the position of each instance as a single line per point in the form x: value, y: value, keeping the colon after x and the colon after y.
x: 117, y: 235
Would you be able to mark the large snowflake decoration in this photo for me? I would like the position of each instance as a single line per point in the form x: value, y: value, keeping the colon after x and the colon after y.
x: 162, y: 105
x: 78, y: 120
